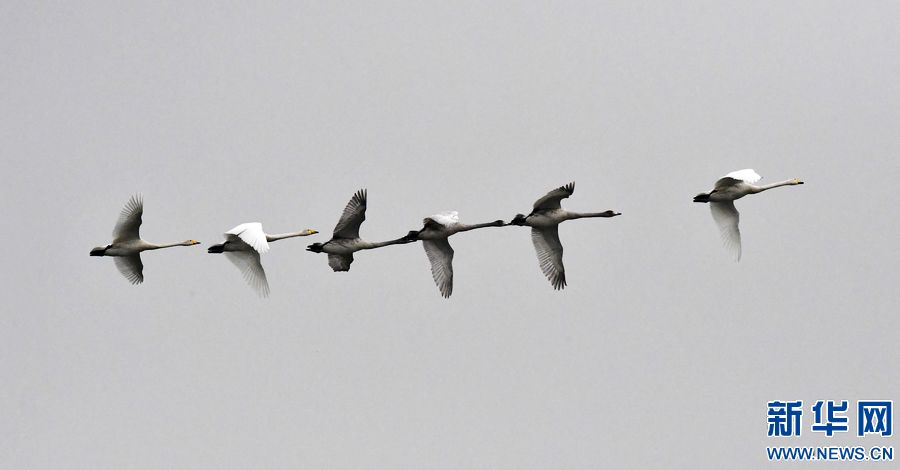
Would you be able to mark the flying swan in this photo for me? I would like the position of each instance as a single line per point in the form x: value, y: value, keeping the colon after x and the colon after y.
x: 544, y: 221
x: 728, y: 188
x: 434, y: 234
x: 345, y: 240
x: 243, y: 245
x: 127, y: 245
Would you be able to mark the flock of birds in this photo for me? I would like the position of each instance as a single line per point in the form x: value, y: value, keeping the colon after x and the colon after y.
x: 245, y: 243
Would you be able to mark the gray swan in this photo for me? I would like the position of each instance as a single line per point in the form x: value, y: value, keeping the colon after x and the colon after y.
x: 345, y: 241
x: 544, y: 221
x: 434, y: 234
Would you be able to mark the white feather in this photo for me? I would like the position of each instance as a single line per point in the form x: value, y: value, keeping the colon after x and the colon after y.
x: 728, y: 218
x: 747, y: 175
x: 250, y: 266
x: 446, y: 218
x: 252, y: 234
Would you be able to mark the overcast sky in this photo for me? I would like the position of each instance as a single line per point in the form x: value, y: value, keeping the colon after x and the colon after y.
x: 662, y: 352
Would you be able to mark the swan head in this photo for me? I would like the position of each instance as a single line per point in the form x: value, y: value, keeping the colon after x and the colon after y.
x: 190, y: 242
x: 412, y: 236
x: 610, y: 213
x: 310, y: 231
x: 519, y: 219
x: 100, y: 250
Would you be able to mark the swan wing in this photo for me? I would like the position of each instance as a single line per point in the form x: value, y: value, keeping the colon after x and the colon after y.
x: 727, y: 218
x: 131, y: 267
x: 250, y: 233
x: 552, y: 199
x: 251, y: 268
x: 747, y: 176
x: 128, y: 227
x: 340, y: 262
x: 440, y: 255
x: 443, y: 218
x: 353, y: 216
x: 549, y: 253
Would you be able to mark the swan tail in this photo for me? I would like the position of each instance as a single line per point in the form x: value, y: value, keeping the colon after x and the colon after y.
x: 702, y: 197
x: 216, y: 248
x: 315, y: 248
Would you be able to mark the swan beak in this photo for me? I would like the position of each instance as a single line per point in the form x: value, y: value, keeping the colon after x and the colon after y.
x: 194, y: 242
x: 313, y: 232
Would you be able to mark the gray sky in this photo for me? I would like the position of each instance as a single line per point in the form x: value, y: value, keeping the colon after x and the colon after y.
x: 661, y: 351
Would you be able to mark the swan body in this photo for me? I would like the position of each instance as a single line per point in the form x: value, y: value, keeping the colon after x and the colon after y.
x: 544, y: 221
x: 127, y: 244
x: 346, y: 240
x: 548, y: 218
x: 728, y: 189
x: 434, y: 234
x: 243, y: 245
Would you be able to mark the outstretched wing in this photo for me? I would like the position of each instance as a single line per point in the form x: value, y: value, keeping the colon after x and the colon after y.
x: 727, y: 218
x: 129, y: 224
x: 440, y: 255
x: 252, y: 234
x: 131, y: 267
x: 353, y: 216
x: 443, y: 218
x: 552, y: 199
x: 252, y: 270
x: 340, y: 262
x: 549, y: 253
x: 747, y: 176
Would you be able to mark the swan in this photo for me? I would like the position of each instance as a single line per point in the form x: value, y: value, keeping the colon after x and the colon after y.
x: 544, y: 221
x: 127, y: 245
x: 728, y: 188
x: 345, y: 241
x: 434, y: 234
x: 243, y: 245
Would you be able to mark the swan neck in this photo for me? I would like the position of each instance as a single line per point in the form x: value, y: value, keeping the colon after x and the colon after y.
x: 466, y: 227
x: 582, y: 215
x: 371, y: 245
x: 154, y: 246
x: 282, y: 236
x: 759, y: 189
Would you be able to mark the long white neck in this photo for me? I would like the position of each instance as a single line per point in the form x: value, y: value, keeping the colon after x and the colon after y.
x: 581, y: 215
x: 281, y: 236
x: 153, y: 246
x: 759, y: 189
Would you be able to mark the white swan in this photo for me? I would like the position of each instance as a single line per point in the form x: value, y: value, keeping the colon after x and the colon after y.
x: 345, y: 240
x: 243, y: 245
x: 544, y: 221
x: 127, y: 245
x: 434, y: 234
x: 728, y: 188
